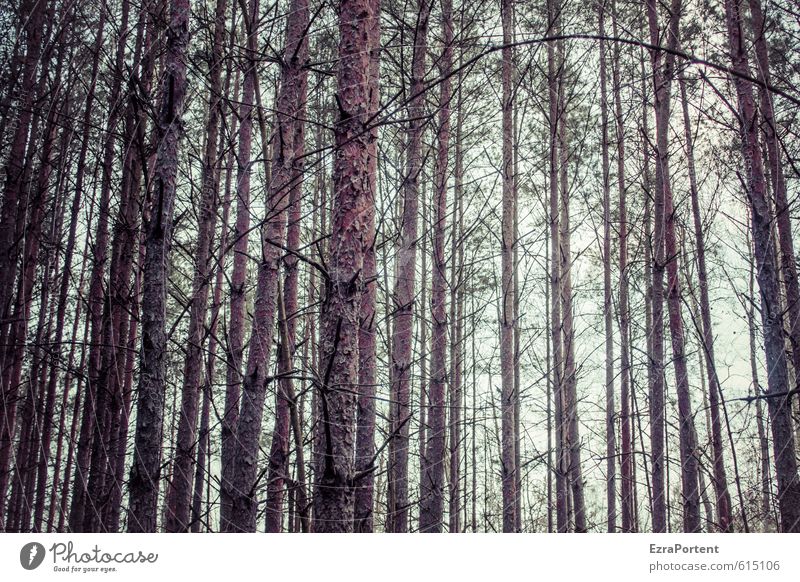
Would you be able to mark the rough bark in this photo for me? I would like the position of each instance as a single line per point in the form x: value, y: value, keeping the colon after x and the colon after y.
x: 779, y: 400
x: 235, y: 339
x: 273, y: 233
x: 179, y: 492
x: 353, y: 205
x: 367, y: 346
x: 146, y: 468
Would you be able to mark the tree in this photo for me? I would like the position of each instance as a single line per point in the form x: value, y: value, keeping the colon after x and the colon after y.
x: 146, y: 470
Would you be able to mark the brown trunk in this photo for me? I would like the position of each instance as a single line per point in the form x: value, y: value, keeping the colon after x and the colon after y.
x: 91, y: 458
x: 778, y: 398
x: 146, y: 468
x: 657, y: 412
x: 553, y: 73
x: 235, y: 339
x: 431, y: 508
x: 353, y: 204
x: 367, y: 346
x: 626, y: 433
x: 403, y: 301
x: 284, y: 176
x: 765, y: 494
x: 457, y: 396
x: 15, y: 169
x: 294, y: 74
x: 570, y: 380
x: 179, y: 492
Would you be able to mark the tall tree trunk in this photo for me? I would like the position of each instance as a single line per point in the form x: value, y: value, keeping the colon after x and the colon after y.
x: 661, y: 83
x: 9, y: 225
x: 627, y: 460
x: 403, y: 301
x: 774, y: 163
x: 457, y: 395
x: 91, y: 458
x: 553, y: 73
x: 284, y: 176
x: 570, y: 379
x: 723, y: 498
x: 431, y: 508
x: 295, y: 74
x: 180, y: 487
x: 778, y: 395
x: 146, y: 468
x: 508, y: 456
x: 608, y: 316
x: 353, y: 205
x: 367, y: 346
x: 235, y: 343
x: 765, y: 493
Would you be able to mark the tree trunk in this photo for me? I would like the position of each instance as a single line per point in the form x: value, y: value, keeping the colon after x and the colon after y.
x: 778, y: 398
x: 508, y: 456
x: 723, y: 497
x: 146, y: 469
x: 403, y: 301
x: 608, y: 316
x: 235, y: 343
x: 626, y: 433
x: 179, y: 492
x: 367, y: 346
x: 353, y: 205
x: 431, y: 509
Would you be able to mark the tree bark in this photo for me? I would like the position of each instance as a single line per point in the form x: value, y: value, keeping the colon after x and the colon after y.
x: 403, y: 300
x: 146, y: 468
x: 367, y: 346
x: 608, y: 316
x: 179, y: 492
x: 779, y: 401
x: 431, y: 508
x: 235, y: 339
x: 508, y: 242
x: 353, y: 204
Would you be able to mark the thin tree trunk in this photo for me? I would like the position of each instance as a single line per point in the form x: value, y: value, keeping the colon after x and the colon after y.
x: 508, y: 457
x: 553, y: 72
x: 180, y: 487
x: 403, y: 300
x: 570, y: 380
x: 431, y: 507
x: 367, y: 344
x: 457, y: 400
x: 723, y: 498
x: 765, y: 493
x: 235, y: 339
x: 627, y: 461
x: 608, y: 316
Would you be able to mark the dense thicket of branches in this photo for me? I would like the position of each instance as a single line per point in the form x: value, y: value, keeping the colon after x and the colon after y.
x: 364, y: 265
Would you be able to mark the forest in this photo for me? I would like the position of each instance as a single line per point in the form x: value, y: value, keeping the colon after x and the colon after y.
x: 399, y: 266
